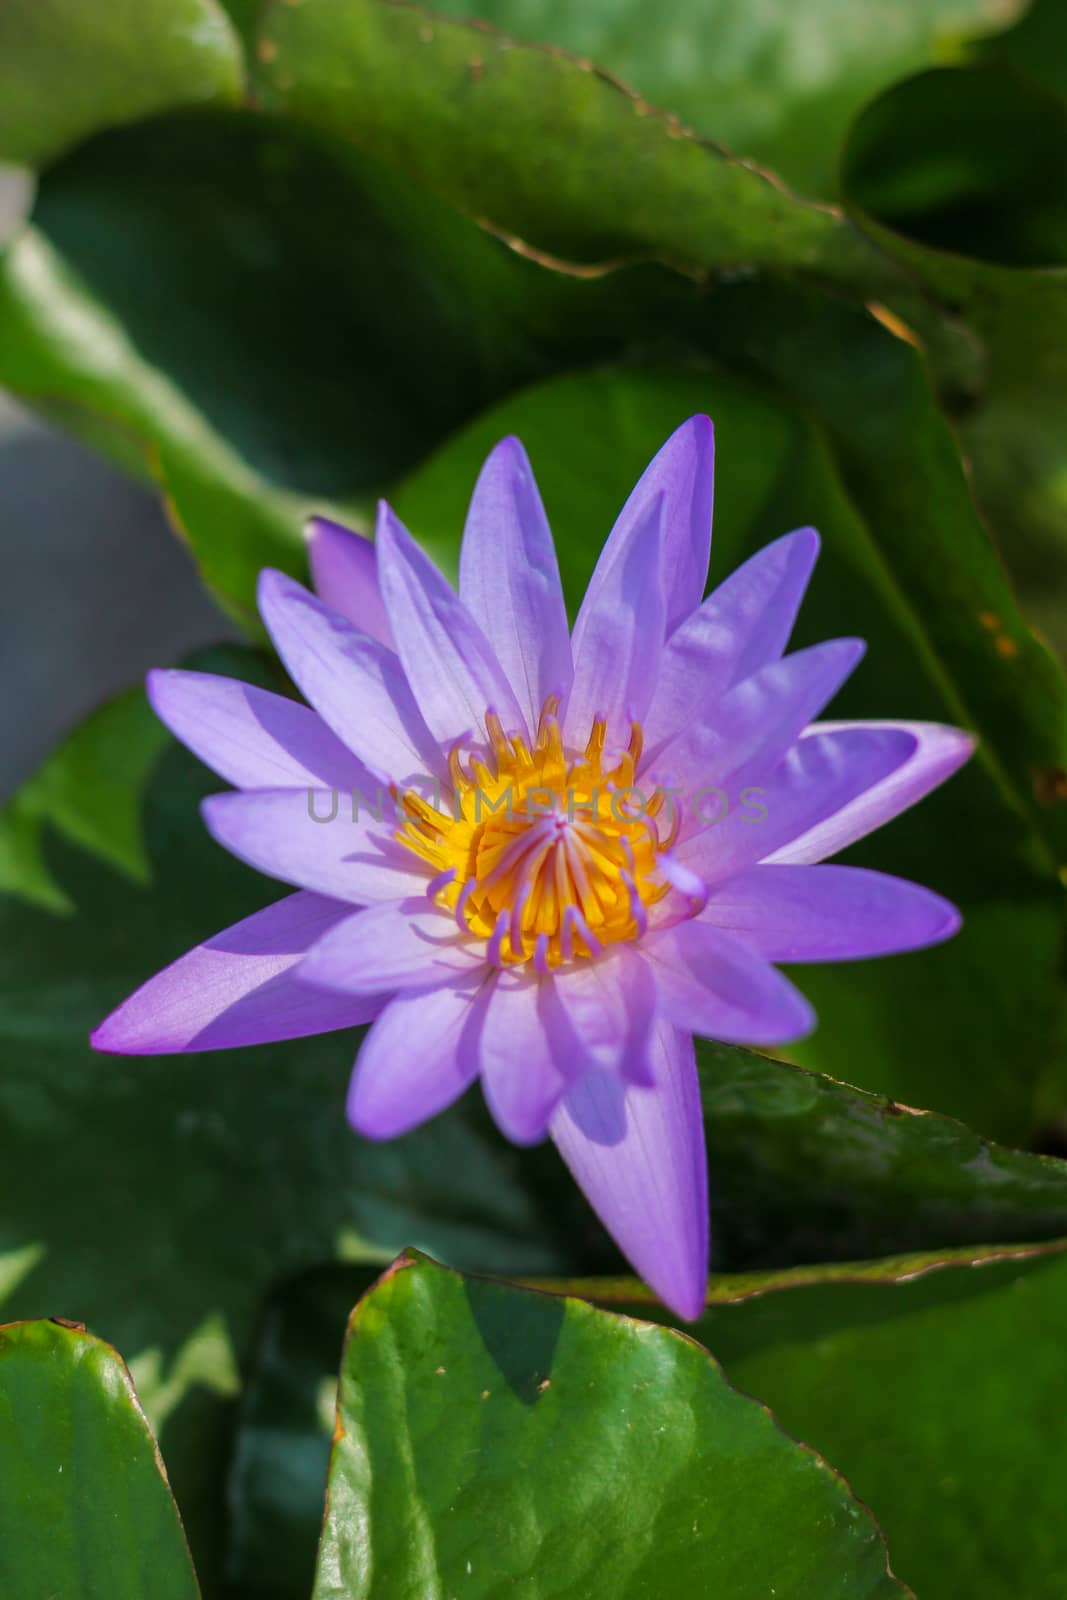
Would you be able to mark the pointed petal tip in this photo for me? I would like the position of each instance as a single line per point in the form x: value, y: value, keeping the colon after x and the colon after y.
x: 215, y: 814
x: 116, y: 1036
x: 962, y: 746
x: 319, y: 526
x: 105, y: 1038
x: 274, y: 586
x: 807, y: 539
x: 385, y: 520
x: 688, y: 1300
x: 156, y: 683
x: 700, y: 427
x: 946, y: 920
x: 511, y: 447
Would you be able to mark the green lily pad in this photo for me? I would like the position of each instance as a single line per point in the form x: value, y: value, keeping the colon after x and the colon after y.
x: 801, y: 1170
x: 947, y: 1360
x: 940, y: 1397
x: 86, y: 1508
x: 544, y: 145
x: 778, y: 83
x: 489, y: 1438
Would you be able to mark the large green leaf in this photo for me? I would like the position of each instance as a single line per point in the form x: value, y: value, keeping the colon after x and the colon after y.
x: 68, y: 69
x: 919, y: 1378
x: 941, y: 1398
x: 271, y: 361
x: 970, y: 1028
x: 946, y: 1360
x: 983, y: 219
x: 778, y: 82
x: 490, y: 1439
x: 86, y: 1509
x: 545, y: 146
x: 801, y: 1169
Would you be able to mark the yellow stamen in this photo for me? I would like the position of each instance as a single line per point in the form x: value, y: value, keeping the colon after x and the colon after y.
x: 540, y: 852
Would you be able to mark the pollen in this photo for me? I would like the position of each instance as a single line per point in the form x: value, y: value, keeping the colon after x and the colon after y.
x: 546, y: 853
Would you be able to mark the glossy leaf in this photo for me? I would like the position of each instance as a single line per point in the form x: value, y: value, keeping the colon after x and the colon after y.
x: 921, y: 1391
x: 543, y: 145
x: 899, y: 535
x: 949, y: 1362
x: 474, y: 1424
x: 801, y: 1169
x: 86, y: 1508
x: 69, y: 69
x: 775, y: 82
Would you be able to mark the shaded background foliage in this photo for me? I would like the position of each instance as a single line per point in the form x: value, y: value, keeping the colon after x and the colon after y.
x: 289, y: 255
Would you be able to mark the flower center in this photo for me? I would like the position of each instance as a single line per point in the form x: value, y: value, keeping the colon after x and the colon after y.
x: 547, y: 854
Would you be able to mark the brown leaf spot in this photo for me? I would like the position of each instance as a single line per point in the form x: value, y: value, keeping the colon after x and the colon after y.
x: 1050, y: 786
x: 893, y: 323
x: 1005, y: 647
x: 267, y: 50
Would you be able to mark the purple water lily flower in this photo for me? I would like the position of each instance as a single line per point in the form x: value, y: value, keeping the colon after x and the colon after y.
x: 593, y: 844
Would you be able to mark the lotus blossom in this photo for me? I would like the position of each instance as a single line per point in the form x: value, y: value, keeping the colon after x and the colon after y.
x: 597, y: 842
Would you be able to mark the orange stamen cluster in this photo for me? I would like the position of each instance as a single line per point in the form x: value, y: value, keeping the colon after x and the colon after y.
x: 548, y: 856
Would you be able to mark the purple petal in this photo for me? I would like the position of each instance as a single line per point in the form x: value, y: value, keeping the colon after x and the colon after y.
x: 618, y: 637
x: 829, y: 913
x: 600, y: 1013
x: 938, y: 752
x: 356, y: 685
x: 450, y: 665
x: 404, y: 944
x: 238, y: 989
x: 421, y: 1054
x: 820, y: 775
x: 509, y: 580
x: 683, y: 471
x: 521, y: 1082
x: 638, y: 1156
x: 276, y: 831
x: 344, y: 570
x: 712, y: 984
x: 747, y: 734
x: 743, y: 626
x: 250, y: 737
